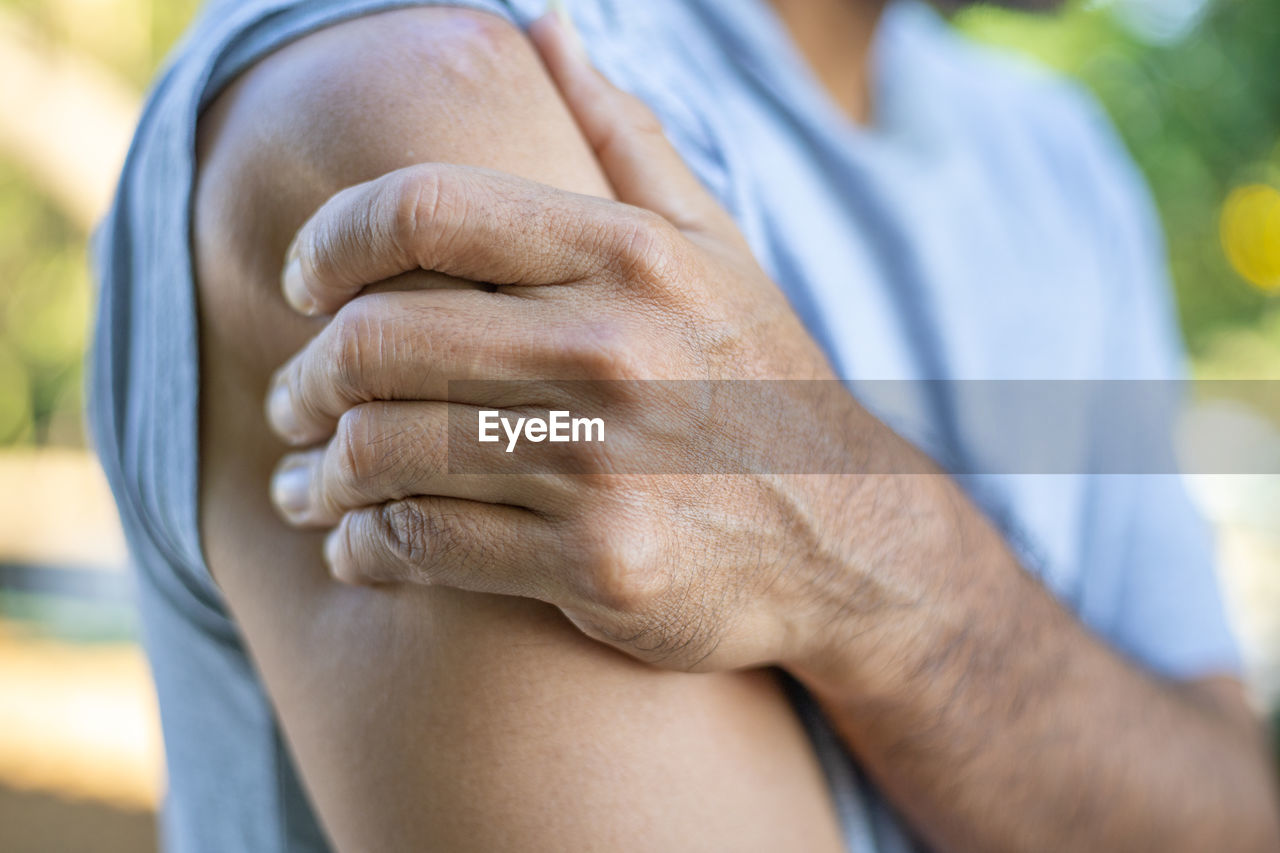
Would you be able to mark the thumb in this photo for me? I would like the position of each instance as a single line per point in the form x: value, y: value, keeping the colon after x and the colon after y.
x: 641, y: 164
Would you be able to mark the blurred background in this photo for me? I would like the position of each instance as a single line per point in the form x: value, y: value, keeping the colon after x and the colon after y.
x: 1192, y: 85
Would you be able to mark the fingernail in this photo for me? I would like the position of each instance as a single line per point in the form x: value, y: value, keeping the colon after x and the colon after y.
x: 280, y: 411
x: 332, y: 547
x: 295, y: 289
x: 291, y: 489
x: 560, y: 9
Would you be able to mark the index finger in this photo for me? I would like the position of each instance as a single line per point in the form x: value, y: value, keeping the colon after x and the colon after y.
x: 462, y: 221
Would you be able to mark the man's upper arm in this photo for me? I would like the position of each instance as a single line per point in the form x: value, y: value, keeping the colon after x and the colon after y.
x: 361, y: 99
x: 428, y: 717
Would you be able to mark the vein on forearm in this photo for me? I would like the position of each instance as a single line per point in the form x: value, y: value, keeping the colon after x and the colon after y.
x: 1003, y: 724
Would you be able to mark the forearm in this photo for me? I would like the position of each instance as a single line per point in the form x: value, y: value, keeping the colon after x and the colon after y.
x: 998, y: 722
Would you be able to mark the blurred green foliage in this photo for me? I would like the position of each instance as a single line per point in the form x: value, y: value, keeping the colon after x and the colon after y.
x: 45, y: 290
x: 44, y: 310
x: 1201, y: 116
x: 129, y: 37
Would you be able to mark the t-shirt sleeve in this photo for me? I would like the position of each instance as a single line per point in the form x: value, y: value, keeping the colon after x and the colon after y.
x: 286, y: 20
x: 231, y: 781
x: 1165, y: 606
x: 1170, y: 613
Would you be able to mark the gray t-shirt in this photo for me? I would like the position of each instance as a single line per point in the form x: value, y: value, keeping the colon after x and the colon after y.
x: 989, y: 227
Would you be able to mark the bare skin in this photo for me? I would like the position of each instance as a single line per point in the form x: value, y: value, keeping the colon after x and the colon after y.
x: 432, y: 718
x: 835, y: 38
x: 990, y: 715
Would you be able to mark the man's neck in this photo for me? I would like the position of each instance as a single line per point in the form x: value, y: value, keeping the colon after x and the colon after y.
x: 835, y: 36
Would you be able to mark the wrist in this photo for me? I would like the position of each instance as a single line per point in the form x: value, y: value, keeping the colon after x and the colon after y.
x: 904, y: 592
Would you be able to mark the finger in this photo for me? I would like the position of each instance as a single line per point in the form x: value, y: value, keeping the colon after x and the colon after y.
x: 447, y: 542
x: 385, y: 452
x: 642, y: 165
x: 411, y: 346
x: 465, y: 222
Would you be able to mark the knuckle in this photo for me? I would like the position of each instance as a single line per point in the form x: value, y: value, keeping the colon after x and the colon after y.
x: 313, y: 244
x: 576, y: 469
x: 415, y: 534
x: 353, y: 446
x: 406, y: 532
x: 327, y: 244
x: 431, y: 210
x: 584, y: 459
x: 613, y: 362
x: 604, y: 351
x: 416, y: 201
x: 621, y: 579
x: 302, y: 381
x: 647, y: 249
x: 353, y: 334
